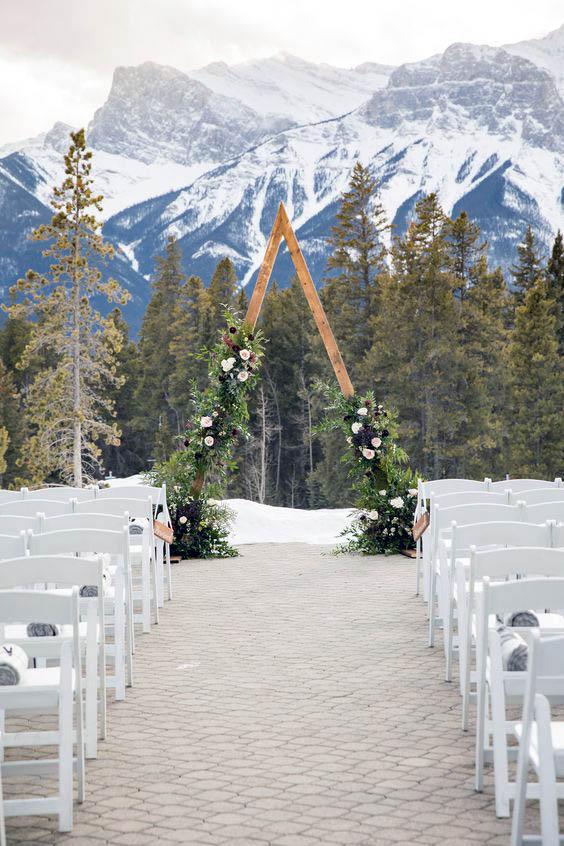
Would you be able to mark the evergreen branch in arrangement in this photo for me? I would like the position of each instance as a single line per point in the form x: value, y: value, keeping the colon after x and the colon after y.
x: 384, y: 488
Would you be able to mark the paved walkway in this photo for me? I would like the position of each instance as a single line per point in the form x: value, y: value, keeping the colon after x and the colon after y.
x: 287, y: 698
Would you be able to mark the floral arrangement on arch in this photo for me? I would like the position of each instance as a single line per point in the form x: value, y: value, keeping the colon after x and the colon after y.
x: 385, y: 488
x: 196, y: 473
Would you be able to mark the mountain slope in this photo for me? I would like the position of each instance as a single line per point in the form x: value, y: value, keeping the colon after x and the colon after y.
x: 299, y: 91
x: 546, y: 53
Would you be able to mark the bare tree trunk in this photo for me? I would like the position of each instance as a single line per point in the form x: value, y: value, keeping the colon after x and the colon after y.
x: 262, y: 472
x: 76, y: 395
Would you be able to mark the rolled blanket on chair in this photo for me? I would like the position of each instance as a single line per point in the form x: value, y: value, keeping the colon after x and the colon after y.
x: 521, y: 618
x: 13, y: 664
x: 42, y: 630
x: 87, y: 591
x: 135, y: 529
x: 514, y: 651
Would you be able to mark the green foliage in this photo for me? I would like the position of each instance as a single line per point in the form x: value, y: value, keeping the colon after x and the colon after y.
x: 536, y: 387
x: 528, y: 266
x: 201, y: 526
x: 384, y: 488
x: 220, y: 418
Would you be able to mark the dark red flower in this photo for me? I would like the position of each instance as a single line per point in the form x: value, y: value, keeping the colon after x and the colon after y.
x: 233, y: 330
x: 251, y: 337
x: 234, y: 432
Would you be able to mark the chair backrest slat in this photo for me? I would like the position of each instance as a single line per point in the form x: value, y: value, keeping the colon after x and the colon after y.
x: 31, y: 606
x: 30, y: 508
x: 12, y: 546
x: 137, y: 509
x: 536, y: 495
x: 79, y: 541
x: 517, y: 485
x: 108, y: 522
x: 540, y: 512
x: 13, y: 524
x: 499, y: 533
x: 60, y: 493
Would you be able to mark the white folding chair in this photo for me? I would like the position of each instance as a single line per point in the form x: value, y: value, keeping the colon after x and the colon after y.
x: 41, y: 690
x: 141, y: 511
x: 517, y: 485
x: 10, y: 496
x: 32, y: 507
x: 456, y: 549
x: 160, y: 511
x: 543, y: 511
x: 441, y: 520
x: 495, y: 564
x: 536, y: 495
x: 60, y: 493
x: 541, y: 742
x: 12, y: 546
x: 118, y: 613
x: 439, y: 486
x: 11, y: 524
x: 501, y: 687
x: 60, y: 571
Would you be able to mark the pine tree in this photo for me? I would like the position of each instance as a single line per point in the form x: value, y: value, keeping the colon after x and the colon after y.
x: 66, y: 402
x: 555, y: 276
x: 536, y: 432
x: 222, y: 294
x: 125, y: 458
x: 528, y: 268
x: 414, y: 361
x: 189, y: 335
x: 157, y: 415
x: 466, y: 250
x: 350, y: 291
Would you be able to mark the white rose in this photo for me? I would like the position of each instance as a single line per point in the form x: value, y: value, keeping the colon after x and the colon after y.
x: 382, y: 493
x: 206, y: 422
x: 356, y: 427
x: 227, y: 364
x: 362, y: 411
x: 243, y: 376
x: 412, y: 491
x: 376, y: 442
x: 245, y: 355
x: 349, y: 440
x: 372, y: 515
x: 209, y: 441
x: 183, y: 520
x: 392, y: 531
x: 396, y: 502
x: 368, y: 453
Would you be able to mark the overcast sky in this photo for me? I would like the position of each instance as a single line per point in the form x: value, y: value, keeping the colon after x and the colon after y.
x: 57, y: 56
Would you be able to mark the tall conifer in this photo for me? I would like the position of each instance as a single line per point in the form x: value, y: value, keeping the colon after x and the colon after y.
x: 67, y: 400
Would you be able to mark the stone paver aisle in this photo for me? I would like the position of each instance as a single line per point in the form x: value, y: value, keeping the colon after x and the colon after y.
x: 286, y: 698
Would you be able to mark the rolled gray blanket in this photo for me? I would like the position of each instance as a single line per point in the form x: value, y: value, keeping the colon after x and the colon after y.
x: 42, y: 630
x: 514, y: 651
x: 13, y: 664
x: 521, y: 618
x: 135, y: 529
x: 88, y: 591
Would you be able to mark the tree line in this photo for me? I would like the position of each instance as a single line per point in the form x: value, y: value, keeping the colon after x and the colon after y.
x: 470, y: 361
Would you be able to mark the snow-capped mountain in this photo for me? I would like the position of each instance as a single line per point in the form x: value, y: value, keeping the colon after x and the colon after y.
x: 208, y: 155
x: 547, y: 53
x: 298, y: 91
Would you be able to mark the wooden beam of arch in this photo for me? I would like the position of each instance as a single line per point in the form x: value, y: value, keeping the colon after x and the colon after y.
x: 282, y: 228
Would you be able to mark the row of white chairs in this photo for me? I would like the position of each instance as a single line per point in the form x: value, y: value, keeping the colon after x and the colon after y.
x: 73, y: 563
x: 485, y: 562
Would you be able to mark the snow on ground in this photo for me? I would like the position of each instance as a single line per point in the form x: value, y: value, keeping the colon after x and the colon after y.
x: 257, y: 523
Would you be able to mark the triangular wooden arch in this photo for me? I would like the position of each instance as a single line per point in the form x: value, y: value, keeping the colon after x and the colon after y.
x: 282, y: 228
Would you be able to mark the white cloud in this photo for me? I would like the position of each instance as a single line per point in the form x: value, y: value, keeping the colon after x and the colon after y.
x: 57, y: 57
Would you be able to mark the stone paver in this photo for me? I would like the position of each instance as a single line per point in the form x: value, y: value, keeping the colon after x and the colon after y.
x: 286, y: 698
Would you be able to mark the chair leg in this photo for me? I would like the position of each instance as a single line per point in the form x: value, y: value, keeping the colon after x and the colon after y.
x: 432, y: 589
x: 65, y: 750
x: 501, y: 770
x: 417, y: 566
x: 168, y: 570
x: 481, y: 716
